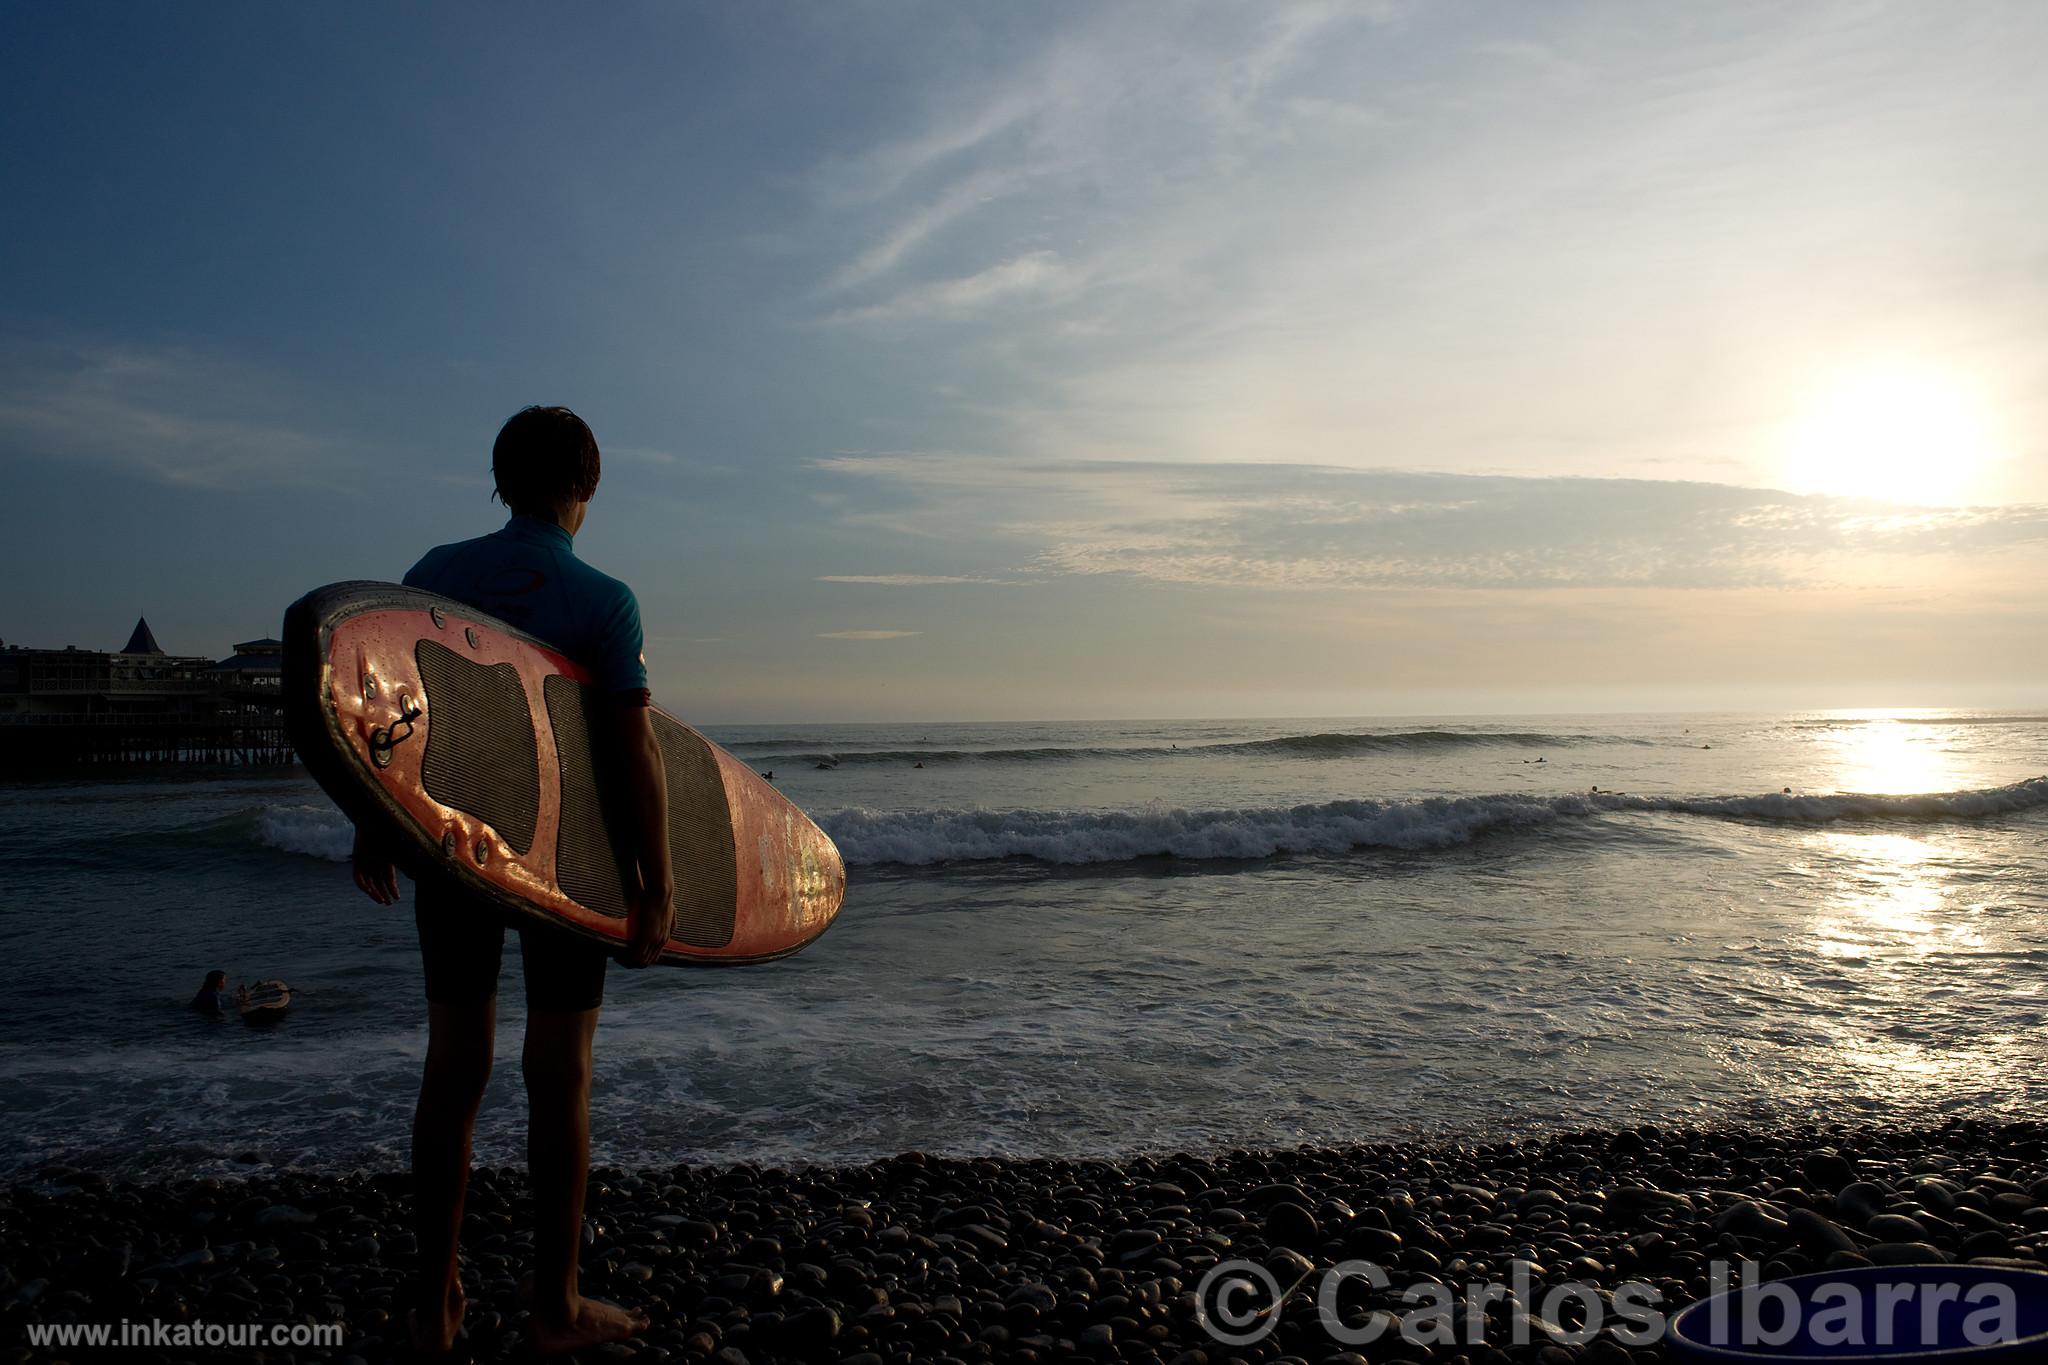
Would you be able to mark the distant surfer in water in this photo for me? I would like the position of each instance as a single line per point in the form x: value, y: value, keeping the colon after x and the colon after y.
x: 545, y: 464
x: 213, y: 999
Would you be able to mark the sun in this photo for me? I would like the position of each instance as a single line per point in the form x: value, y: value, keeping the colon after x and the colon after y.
x: 1900, y: 434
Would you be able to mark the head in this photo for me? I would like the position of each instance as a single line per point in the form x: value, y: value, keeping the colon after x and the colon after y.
x: 546, y: 465
x: 215, y: 981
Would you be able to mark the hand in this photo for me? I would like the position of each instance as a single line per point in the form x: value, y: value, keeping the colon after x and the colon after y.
x: 374, y: 873
x: 649, y: 922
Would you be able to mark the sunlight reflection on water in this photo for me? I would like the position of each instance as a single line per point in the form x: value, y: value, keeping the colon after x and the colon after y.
x: 1896, y: 916
x: 1891, y: 754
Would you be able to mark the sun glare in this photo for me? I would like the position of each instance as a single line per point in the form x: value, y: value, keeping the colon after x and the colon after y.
x: 1900, y: 435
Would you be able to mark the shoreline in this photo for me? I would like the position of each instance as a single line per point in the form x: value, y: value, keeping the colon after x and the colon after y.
x: 979, y: 1259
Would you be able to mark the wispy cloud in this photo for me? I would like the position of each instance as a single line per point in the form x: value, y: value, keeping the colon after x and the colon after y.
x: 174, y: 414
x: 1037, y: 273
x: 914, y: 580
x: 956, y: 202
x: 1291, y: 527
x: 1382, y: 235
x: 867, y: 634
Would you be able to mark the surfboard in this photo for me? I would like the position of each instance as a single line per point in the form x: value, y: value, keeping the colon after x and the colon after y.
x: 265, y: 1003
x: 466, y: 744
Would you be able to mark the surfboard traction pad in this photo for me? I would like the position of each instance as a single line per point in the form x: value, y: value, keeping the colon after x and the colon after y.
x: 699, y: 823
x: 486, y: 759
x: 483, y: 759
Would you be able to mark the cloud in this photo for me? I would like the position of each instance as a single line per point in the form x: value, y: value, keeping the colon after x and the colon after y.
x: 924, y: 222
x: 867, y: 634
x: 1035, y: 273
x: 1280, y: 527
x: 1385, y: 236
x: 913, y: 580
x: 175, y: 414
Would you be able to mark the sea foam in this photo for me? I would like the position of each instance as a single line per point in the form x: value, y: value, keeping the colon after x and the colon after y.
x: 1328, y: 745
x: 317, y: 831
x: 924, y: 838
x: 921, y: 838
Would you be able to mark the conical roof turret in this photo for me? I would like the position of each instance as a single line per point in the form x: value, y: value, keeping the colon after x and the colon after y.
x: 142, y: 642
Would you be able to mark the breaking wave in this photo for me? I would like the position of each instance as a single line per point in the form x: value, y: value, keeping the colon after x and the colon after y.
x: 923, y: 838
x: 1286, y: 746
x: 316, y: 831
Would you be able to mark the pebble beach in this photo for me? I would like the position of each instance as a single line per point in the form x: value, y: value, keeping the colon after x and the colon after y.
x: 1019, y: 1262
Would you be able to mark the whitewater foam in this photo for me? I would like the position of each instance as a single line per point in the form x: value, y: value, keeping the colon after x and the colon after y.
x: 1077, y: 838
x: 1310, y: 746
x: 923, y: 838
x: 317, y: 831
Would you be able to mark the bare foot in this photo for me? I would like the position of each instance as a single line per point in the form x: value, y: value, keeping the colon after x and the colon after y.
x: 593, y: 1322
x: 436, y: 1333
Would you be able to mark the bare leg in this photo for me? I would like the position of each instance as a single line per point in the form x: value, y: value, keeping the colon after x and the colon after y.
x: 557, y: 1065
x: 459, y: 1046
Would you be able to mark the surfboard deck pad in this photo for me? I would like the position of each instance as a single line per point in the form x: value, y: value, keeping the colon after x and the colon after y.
x: 467, y: 746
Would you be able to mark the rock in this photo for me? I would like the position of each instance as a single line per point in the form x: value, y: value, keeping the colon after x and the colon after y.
x: 285, y: 1216
x: 1817, y: 1234
x: 810, y: 1328
x: 1291, y: 1225
x: 1828, y: 1169
x: 1376, y: 1244
x: 1628, y: 1199
x: 1896, y: 1227
x: 986, y: 1239
x: 1861, y: 1201
x: 1985, y: 1243
x: 1747, y: 1218
x: 1905, y: 1253
x: 1936, y: 1195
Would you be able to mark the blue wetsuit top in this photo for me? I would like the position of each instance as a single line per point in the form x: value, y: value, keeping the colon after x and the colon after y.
x: 528, y: 576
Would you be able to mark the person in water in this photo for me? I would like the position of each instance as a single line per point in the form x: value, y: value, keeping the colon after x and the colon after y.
x: 545, y: 465
x: 213, y: 999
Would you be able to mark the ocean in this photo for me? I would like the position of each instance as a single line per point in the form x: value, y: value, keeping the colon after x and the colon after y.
x: 1115, y: 937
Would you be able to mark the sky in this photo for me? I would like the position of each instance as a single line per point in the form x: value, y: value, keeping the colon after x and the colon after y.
x: 1062, y: 360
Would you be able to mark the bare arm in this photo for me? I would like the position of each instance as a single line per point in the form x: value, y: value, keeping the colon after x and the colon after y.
x: 643, y: 794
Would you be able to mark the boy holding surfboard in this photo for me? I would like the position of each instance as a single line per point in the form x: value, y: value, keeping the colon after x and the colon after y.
x: 545, y: 464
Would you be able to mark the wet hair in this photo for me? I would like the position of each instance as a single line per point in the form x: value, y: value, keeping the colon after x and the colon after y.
x: 544, y: 457
x: 216, y: 981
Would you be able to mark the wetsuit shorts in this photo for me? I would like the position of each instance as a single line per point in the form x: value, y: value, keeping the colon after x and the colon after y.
x: 462, y: 940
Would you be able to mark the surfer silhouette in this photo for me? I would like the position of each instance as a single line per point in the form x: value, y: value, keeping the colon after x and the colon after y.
x: 545, y: 464
x: 213, y: 999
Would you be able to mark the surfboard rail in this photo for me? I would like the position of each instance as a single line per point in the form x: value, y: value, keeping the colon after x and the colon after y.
x: 506, y: 801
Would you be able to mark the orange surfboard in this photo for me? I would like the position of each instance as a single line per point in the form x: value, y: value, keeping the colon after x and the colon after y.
x: 466, y: 743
